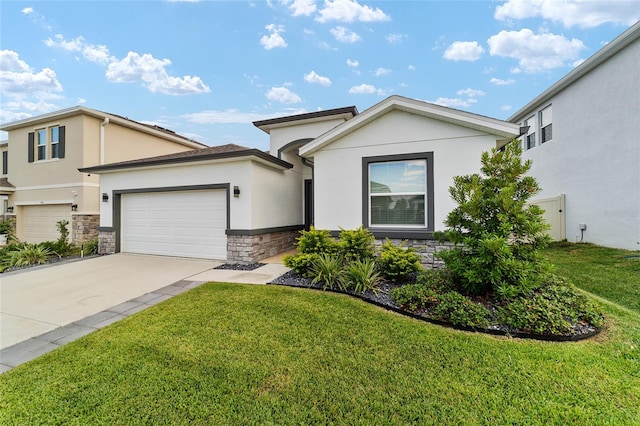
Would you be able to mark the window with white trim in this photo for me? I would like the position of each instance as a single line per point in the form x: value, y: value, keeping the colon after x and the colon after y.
x: 55, y: 139
x: 546, y: 125
x: 41, y: 136
x: 530, y: 137
x: 398, y: 192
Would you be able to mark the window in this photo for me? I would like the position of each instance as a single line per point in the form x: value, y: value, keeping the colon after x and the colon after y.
x: 55, y: 138
x: 546, y: 126
x: 530, y: 137
x: 397, y: 192
x: 5, y: 162
x: 49, y: 140
x: 42, y: 144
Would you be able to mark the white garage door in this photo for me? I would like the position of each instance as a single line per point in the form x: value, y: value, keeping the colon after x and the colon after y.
x: 176, y: 223
x: 39, y: 222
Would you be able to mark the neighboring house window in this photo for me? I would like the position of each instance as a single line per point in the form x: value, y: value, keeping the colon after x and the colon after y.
x: 530, y: 137
x: 38, y: 144
x: 55, y: 133
x: 42, y: 144
x: 5, y: 162
x: 398, y: 192
x: 546, y: 126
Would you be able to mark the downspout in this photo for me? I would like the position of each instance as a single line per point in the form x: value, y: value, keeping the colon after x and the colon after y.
x: 102, y: 126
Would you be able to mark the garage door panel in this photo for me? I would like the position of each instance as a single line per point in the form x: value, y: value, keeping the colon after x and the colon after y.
x: 39, y: 223
x: 184, y: 223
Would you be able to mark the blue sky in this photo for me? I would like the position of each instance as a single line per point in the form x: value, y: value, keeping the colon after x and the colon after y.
x: 207, y: 69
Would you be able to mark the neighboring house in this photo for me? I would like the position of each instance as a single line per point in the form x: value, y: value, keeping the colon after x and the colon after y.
x: 40, y: 182
x: 584, y: 142
x: 388, y: 169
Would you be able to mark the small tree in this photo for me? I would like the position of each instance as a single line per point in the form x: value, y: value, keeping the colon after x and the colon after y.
x: 497, y: 236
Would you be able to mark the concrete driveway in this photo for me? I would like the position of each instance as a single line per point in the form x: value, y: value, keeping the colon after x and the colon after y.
x: 39, y: 300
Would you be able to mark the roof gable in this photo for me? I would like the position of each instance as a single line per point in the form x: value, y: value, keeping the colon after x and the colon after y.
x: 345, y: 113
x: 501, y: 129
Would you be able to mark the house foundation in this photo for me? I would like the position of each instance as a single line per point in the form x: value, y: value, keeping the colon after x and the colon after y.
x: 245, y: 249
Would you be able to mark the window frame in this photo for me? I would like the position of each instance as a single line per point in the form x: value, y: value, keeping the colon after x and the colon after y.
x: 530, y: 136
x: 54, y: 144
x: 399, y: 231
x: 41, y: 144
x: 543, y: 130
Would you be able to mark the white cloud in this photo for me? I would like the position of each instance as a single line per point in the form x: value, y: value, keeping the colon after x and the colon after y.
x: 455, y: 102
x: 234, y: 116
x: 98, y: 54
x: 463, y: 51
x: 471, y: 93
x: 23, y: 89
x: 153, y: 75
x: 506, y: 107
x: 301, y: 7
x: 350, y: 11
x: 501, y: 82
x: 352, y: 63
x: 535, y: 52
x: 274, y: 39
x: 381, y: 72
x: 18, y: 79
x: 344, y: 35
x: 27, y: 10
x: 395, y: 38
x: 366, y: 89
x: 283, y: 95
x: 314, y: 77
x: 36, y: 17
x: 412, y: 67
x: 581, y: 13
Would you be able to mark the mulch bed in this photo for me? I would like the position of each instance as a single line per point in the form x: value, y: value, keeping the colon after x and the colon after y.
x: 384, y: 300
x: 240, y: 267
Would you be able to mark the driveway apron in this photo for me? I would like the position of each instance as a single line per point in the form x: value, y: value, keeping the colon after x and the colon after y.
x: 39, y: 300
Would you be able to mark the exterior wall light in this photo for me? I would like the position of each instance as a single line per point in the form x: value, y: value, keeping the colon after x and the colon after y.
x: 10, y: 209
x: 74, y: 207
x: 236, y: 192
x: 105, y: 197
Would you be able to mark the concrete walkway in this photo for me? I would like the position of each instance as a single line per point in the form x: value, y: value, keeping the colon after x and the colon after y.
x: 43, y: 308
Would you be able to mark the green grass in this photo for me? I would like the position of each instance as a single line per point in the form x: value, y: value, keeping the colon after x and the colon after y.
x: 240, y: 354
x: 613, y: 274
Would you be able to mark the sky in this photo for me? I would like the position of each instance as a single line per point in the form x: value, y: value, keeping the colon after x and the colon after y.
x: 208, y: 69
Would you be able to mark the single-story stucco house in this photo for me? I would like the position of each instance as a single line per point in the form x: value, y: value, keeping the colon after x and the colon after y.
x: 388, y: 168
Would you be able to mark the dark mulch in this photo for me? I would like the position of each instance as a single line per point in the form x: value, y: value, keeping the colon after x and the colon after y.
x: 52, y: 261
x: 240, y: 267
x: 384, y: 300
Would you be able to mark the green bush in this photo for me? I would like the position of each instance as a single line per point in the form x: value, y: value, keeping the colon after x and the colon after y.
x: 91, y: 247
x: 357, y: 244
x: 398, y: 263
x: 302, y: 264
x: 362, y: 275
x: 552, y: 309
x: 497, y: 234
x: 437, y: 279
x: 317, y: 241
x: 459, y: 310
x: 414, y: 297
x: 7, y: 229
x: 24, y: 254
x: 329, y: 270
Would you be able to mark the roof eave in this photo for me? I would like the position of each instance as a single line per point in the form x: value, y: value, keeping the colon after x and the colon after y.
x: 345, y: 113
x: 251, y: 154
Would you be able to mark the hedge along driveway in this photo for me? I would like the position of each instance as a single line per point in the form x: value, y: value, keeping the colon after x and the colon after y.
x: 234, y: 354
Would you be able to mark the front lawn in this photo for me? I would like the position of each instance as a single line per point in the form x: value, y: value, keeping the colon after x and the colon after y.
x: 241, y: 354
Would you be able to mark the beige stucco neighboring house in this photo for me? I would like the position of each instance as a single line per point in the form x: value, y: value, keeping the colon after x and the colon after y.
x: 40, y: 182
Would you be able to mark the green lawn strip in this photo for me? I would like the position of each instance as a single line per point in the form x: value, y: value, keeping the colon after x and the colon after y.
x: 239, y: 354
x: 613, y: 274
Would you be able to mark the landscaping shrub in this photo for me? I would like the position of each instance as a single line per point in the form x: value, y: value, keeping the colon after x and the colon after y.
x: 497, y: 235
x: 317, y: 241
x: 362, y: 275
x: 91, y: 247
x: 398, y: 263
x: 552, y: 309
x: 414, y: 297
x: 459, y: 310
x: 301, y: 263
x: 7, y: 229
x: 328, y: 269
x: 437, y: 279
x: 23, y: 254
x: 357, y: 244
